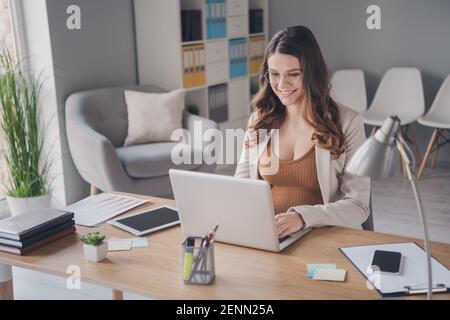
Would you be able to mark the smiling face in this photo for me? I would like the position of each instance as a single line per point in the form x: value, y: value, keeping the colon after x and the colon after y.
x: 285, y: 77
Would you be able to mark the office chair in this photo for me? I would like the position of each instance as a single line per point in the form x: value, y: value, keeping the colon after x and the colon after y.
x: 348, y: 88
x: 368, y: 224
x: 437, y: 118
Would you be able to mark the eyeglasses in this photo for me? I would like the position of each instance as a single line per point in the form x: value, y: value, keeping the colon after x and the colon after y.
x: 293, y: 77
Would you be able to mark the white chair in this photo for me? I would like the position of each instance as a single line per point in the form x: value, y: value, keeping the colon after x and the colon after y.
x: 438, y: 117
x: 348, y: 87
x: 399, y: 93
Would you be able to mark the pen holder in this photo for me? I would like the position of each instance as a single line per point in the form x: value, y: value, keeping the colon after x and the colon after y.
x: 197, y: 262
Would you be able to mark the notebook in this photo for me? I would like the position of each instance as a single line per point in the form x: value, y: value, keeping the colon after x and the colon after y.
x: 22, y: 251
x: 33, y: 222
x: 42, y: 235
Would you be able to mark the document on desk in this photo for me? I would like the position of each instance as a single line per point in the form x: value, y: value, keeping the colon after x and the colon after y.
x: 413, y: 275
x: 97, y: 209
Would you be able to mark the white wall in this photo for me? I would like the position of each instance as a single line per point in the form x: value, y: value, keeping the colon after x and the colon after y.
x: 36, y: 43
x: 101, y: 54
x: 414, y: 33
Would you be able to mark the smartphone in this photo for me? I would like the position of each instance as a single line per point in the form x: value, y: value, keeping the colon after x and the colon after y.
x: 388, y: 262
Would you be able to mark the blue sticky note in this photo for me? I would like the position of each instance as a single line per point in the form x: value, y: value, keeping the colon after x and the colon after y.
x: 312, y: 268
x: 139, y: 242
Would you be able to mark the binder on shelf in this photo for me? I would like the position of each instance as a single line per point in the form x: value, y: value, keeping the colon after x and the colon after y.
x: 413, y: 276
x: 217, y: 102
x: 208, y: 19
x: 188, y: 66
x: 199, y: 65
x: 238, y: 57
x: 256, y: 20
x: 195, y: 51
x: 257, y: 45
x: 202, y: 71
x: 223, y: 22
x: 216, y: 19
x: 191, y: 25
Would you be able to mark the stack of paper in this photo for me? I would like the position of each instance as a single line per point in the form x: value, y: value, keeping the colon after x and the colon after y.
x: 97, y: 209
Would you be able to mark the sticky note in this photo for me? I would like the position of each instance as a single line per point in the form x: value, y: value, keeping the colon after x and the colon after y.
x: 312, y: 268
x: 119, y: 245
x: 329, y: 274
x: 139, y: 242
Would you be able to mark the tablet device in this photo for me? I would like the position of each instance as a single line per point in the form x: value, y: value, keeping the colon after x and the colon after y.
x: 148, y: 221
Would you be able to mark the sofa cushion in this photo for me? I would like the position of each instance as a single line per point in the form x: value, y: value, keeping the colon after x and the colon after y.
x: 153, y: 159
x: 152, y: 117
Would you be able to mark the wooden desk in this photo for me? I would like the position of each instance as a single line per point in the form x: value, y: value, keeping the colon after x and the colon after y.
x: 241, y: 273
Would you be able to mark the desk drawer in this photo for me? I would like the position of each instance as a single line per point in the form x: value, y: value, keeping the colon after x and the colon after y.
x: 237, y: 26
x: 237, y: 7
x: 216, y: 51
x: 217, y: 72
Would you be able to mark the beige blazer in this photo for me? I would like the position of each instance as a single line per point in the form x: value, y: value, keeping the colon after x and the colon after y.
x: 345, y: 196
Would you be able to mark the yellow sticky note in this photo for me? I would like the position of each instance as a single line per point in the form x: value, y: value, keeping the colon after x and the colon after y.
x: 329, y: 274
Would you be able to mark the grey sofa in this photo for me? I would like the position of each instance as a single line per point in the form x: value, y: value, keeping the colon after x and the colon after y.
x: 97, y: 124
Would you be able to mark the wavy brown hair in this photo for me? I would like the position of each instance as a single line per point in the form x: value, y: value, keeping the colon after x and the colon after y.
x: 321, y: 111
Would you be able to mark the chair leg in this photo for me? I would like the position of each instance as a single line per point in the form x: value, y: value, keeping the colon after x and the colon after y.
x: 374, y: 129
x: 415, y: 148
x: 405, y: 173
x: 94, y: 190
x: 6, y: 290
x: 117, y: 294
x: 427, y: 153
x: 436, y: 152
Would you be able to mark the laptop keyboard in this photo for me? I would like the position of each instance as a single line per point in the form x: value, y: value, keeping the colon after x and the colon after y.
x: 284, y: 239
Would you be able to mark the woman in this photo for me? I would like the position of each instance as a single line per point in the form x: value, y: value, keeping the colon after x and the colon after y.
x: 299, y: 139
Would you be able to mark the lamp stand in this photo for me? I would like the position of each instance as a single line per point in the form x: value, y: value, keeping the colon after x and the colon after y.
x: 412, y: 178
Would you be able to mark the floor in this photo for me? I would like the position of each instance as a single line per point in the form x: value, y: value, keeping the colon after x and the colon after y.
x: 393, y: 208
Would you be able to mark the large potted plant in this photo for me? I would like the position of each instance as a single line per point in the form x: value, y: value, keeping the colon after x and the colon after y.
x: 28, y: 172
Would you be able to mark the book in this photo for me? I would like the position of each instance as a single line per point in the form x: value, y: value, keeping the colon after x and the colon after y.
x: 191, y: 25
x: 31, y: 223
x: 52, y: 238
x: 256, y: 20
x: 42, y: 235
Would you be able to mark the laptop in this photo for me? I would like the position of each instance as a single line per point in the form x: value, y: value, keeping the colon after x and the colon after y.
x: 242, y: 207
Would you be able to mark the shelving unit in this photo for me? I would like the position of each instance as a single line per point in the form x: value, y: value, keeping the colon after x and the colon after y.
x: 162, y: 59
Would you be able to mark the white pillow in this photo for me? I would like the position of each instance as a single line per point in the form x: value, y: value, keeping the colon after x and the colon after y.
x: 153, y: 116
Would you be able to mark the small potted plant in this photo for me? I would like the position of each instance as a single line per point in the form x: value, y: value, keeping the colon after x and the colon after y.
x: 94, y: 247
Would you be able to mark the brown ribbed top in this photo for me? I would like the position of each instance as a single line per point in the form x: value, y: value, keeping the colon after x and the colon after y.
x: 295, y: 183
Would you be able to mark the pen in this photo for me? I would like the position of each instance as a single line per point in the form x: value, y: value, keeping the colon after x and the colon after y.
x: 188, y: 258
x: 213, y: 234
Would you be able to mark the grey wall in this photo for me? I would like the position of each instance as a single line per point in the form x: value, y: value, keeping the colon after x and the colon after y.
x: 414, y: 33
x: 101, y: 54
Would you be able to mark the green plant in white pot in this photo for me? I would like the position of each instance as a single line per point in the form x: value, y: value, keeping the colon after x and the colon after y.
x: 28, y: 171
x: 95, y: 249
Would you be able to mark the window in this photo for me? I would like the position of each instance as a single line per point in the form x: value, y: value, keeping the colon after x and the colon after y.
x: 7, y: 38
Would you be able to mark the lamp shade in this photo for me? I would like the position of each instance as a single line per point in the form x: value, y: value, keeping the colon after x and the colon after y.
x: 378, y: 156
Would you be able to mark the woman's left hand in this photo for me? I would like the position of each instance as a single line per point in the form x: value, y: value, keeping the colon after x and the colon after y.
x: 287, y: 223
